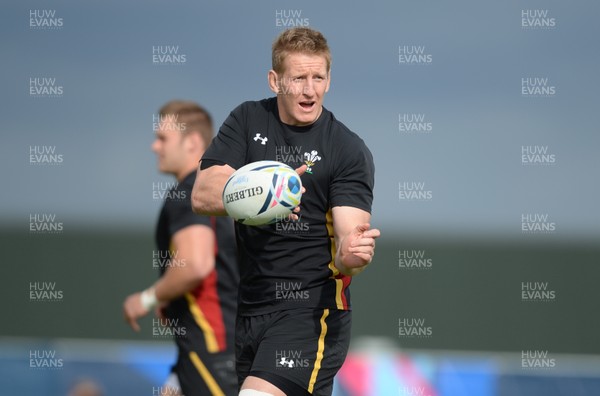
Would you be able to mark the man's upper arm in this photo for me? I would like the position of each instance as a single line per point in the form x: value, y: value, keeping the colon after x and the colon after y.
x: 193, y: 247
x: 353, y: 179
x: 230, y: 145
x: 351, y: 189
x: 226, y: 153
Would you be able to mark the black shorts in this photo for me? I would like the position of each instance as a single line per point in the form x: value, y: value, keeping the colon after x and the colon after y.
x: 209, y: 374
x: 297, y: 350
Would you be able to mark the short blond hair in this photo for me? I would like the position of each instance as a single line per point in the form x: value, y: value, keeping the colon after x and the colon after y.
x: 192, y: 116
x: 299, y: 40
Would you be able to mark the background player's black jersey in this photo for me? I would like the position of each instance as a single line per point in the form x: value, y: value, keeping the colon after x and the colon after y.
x: 208, y: 312
x: 289, y: 264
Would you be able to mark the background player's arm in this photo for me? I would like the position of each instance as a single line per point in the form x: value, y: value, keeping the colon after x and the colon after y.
x: 208, y: 189
x: 193, y: 252
x: 193, y: 258
x: 354, y: 238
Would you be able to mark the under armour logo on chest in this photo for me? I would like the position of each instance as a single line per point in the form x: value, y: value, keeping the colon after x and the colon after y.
x: 263, y: 140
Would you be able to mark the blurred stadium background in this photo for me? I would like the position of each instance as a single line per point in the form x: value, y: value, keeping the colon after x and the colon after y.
x: 478, y: 336
x: 470, y: 299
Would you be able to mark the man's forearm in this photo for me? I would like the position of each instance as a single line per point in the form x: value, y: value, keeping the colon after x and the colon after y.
x: 207, y: 195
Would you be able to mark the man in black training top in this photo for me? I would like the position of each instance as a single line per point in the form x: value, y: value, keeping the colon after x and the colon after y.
x: 294, y: 319
x: 196, y: 255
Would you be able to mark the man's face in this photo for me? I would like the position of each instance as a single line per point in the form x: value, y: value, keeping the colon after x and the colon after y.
x: 169, y: 147
x: 300, y: 88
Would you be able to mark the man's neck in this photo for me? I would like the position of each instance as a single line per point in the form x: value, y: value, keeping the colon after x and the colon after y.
x: 185, y: 172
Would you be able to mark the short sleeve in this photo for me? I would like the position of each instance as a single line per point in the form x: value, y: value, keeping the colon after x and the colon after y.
x: 181, y: 215
x: 229, y: 146
x: 353, y: 177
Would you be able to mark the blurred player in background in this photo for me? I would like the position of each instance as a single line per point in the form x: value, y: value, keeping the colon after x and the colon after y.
x: 294, y: 319
x: 197, y: 289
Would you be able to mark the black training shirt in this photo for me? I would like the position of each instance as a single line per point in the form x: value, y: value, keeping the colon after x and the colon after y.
x: 289, y: 264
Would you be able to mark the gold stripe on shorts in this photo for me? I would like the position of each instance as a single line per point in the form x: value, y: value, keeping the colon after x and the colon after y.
x: 207, y: 377
x: 317, y: 367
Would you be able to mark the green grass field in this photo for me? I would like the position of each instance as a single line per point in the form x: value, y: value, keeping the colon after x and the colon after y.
x: 470, y: 295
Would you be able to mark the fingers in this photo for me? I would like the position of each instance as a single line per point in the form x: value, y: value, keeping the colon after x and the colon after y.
x: 301, y: 170
x: 374, y: 233
x: 366, y: 248
x: 294, y: 215
x: 367, y: 232
x: 132, y: 310
x: 130, y: 319
x: 134, y: 324
x: 371, y: 234
x: 363, y: 246
x: 363, y: 231
x: 366, y: 239
x: 364, y: 253
x: 367, y: 258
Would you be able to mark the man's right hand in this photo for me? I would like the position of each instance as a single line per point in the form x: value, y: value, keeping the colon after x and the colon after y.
x: 133, y: 310
x: 300, y: 171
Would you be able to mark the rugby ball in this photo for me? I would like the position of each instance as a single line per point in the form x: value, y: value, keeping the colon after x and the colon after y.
x: 262, y: 192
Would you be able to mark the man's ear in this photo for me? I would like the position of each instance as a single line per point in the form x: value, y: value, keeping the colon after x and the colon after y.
x: 328, y: 81
x: 273, y: 81
x: 193, y: 141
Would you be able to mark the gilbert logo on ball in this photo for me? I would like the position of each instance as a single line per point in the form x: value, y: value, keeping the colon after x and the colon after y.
x: 262, y: 192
